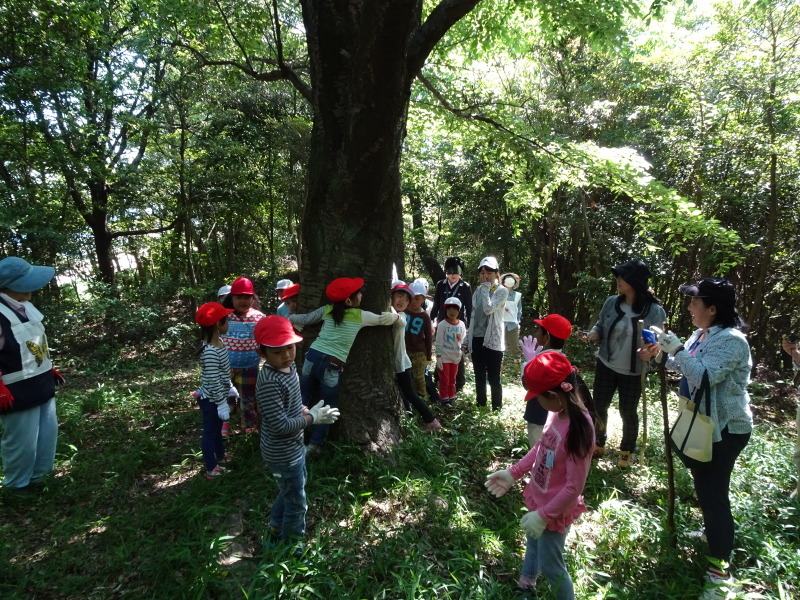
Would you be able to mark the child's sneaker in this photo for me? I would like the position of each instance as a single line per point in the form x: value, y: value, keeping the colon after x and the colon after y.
x: 432, y: 427
x: 446, y: 402
x: 313, y: 450
x: 625, y: 459
x: 720, y: 587
x: 225, y: 459
x: 226, y: 430
x: 250, y: 430
x: 598, y: 452
x: 215, y: 472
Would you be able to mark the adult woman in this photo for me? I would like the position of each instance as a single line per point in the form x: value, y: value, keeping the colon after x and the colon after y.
x: 486, y: 333
x: 618, y: 368
x: 718, y: 348
x: 453, y: 286
x: 27, y: 389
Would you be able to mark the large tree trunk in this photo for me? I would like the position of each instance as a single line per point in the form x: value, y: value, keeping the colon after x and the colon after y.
x: 361, y: 89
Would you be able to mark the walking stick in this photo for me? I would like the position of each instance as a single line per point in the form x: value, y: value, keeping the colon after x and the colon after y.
x: 643, y: 454
x: 662, y: 381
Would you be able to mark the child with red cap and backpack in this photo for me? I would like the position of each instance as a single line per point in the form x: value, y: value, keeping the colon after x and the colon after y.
x: 242, y: 346
x: 283, y: 420
x: 212, y: 397
x: 327, y: 356
x: 559, y: 465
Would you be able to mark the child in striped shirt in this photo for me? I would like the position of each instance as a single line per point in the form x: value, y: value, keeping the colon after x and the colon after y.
x: 283, y: 419
x: 212, y: 397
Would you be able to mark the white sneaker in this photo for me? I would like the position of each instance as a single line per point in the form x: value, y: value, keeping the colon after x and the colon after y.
x: 720, y: 588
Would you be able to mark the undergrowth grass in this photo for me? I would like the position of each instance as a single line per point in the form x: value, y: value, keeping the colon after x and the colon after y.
x: 129, y: 515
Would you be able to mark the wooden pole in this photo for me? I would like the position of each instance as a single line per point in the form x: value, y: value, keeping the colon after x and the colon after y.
x: 662, y: 380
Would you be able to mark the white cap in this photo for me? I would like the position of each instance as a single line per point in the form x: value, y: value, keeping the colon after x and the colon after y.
x: 224, y: 290
x: 490, y: 262
x: 423, y: 281
x: 283, y: 284
x: 453, y: 301
x: 418, y: 288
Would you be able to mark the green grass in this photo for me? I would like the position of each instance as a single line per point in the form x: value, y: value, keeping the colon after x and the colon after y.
x: 128, y: 514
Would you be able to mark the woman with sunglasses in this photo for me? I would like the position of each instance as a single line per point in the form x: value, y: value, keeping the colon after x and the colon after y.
x: 486, y: 335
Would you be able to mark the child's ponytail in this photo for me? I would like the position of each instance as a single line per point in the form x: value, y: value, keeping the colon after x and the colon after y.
x: 580, y: 437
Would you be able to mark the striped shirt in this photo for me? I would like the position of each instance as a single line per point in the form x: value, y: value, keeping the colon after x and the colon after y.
x: 216, y: 374
x: 282, y: 419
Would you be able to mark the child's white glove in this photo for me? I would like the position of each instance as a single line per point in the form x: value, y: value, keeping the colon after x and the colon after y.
x: 233, y: 392
x: 530, y: 347
x: 499, y: 482
x: 322, y: 414
x: 532, y: 524
x: 438, y: 363
x: 667, y: 341
x: 224, y: 411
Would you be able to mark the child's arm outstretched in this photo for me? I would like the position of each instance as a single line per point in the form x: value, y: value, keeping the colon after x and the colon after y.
x: 369, y: 319
x: 301, y: 320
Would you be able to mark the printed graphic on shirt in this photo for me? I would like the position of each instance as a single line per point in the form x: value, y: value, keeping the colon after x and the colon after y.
x: 545, y: 459
x: 414, y: 325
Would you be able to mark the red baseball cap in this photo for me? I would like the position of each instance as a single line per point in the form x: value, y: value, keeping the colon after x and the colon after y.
x: 275, y: 331
x: 242, y: 286
x: 556, y: 325
x: 545, y: 372
x: 401, y: 286
x: 341, y: 288
x: 290, y: 291
x: 211, y: 313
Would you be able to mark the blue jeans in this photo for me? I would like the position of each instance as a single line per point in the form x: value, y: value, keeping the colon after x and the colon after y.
x: 319, y: 380
x: 546, y: 555
x: 211, y: 444
x: 29, y: 444
x: 288, y: 514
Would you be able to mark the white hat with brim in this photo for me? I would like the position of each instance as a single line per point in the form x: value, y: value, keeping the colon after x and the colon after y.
x: 224, y: 290
x: 18, y: 275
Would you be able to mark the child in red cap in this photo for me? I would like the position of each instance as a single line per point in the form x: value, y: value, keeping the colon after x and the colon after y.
x: 559, y: 465
x: 326, y: 358
x: 242, y: 346
x: 212, y: 397
x: 283, y: 419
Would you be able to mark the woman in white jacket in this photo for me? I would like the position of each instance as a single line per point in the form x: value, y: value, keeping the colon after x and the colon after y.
x: 486, y: 335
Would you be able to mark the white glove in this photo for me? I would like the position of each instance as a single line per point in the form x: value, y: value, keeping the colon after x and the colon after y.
x: 532, y: 524
x: 530, y: 347
x: 667, y: 341
x: 224, y: 411
x: 322, y: 414
x: 439, y: 363
x: 233, y: 392
x: 499, y: 482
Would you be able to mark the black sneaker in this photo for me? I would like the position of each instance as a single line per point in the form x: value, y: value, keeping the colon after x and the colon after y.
x: 521, y: 593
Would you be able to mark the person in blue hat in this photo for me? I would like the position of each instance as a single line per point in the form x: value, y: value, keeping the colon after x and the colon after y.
x: 27, y: 388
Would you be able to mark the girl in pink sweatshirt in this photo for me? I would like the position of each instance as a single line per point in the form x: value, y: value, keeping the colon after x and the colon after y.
x: 558, y: 464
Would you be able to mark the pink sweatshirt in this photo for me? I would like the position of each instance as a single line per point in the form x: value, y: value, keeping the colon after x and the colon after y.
x: 557, y: 479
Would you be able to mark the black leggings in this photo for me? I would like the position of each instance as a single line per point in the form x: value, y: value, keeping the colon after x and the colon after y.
x: 712, y: 485
x: 410, y: 397
x: 606, y: 382
x: 487, y: 363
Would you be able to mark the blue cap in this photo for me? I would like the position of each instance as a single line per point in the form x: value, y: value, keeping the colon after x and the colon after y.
x: 18, y: 275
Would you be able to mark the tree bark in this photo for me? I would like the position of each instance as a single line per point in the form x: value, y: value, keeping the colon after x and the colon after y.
x: 363, y: 57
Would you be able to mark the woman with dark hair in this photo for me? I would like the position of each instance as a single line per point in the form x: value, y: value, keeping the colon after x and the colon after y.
x: 718, y: 348
x: 618, y: 368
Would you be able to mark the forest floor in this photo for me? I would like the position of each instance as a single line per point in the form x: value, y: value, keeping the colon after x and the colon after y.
x: 128, y: 514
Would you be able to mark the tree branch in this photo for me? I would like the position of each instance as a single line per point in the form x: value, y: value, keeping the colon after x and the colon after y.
x: 290, y: 74
x: 465, y: 114
x: 117, y: 234
x: 446, y: 14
